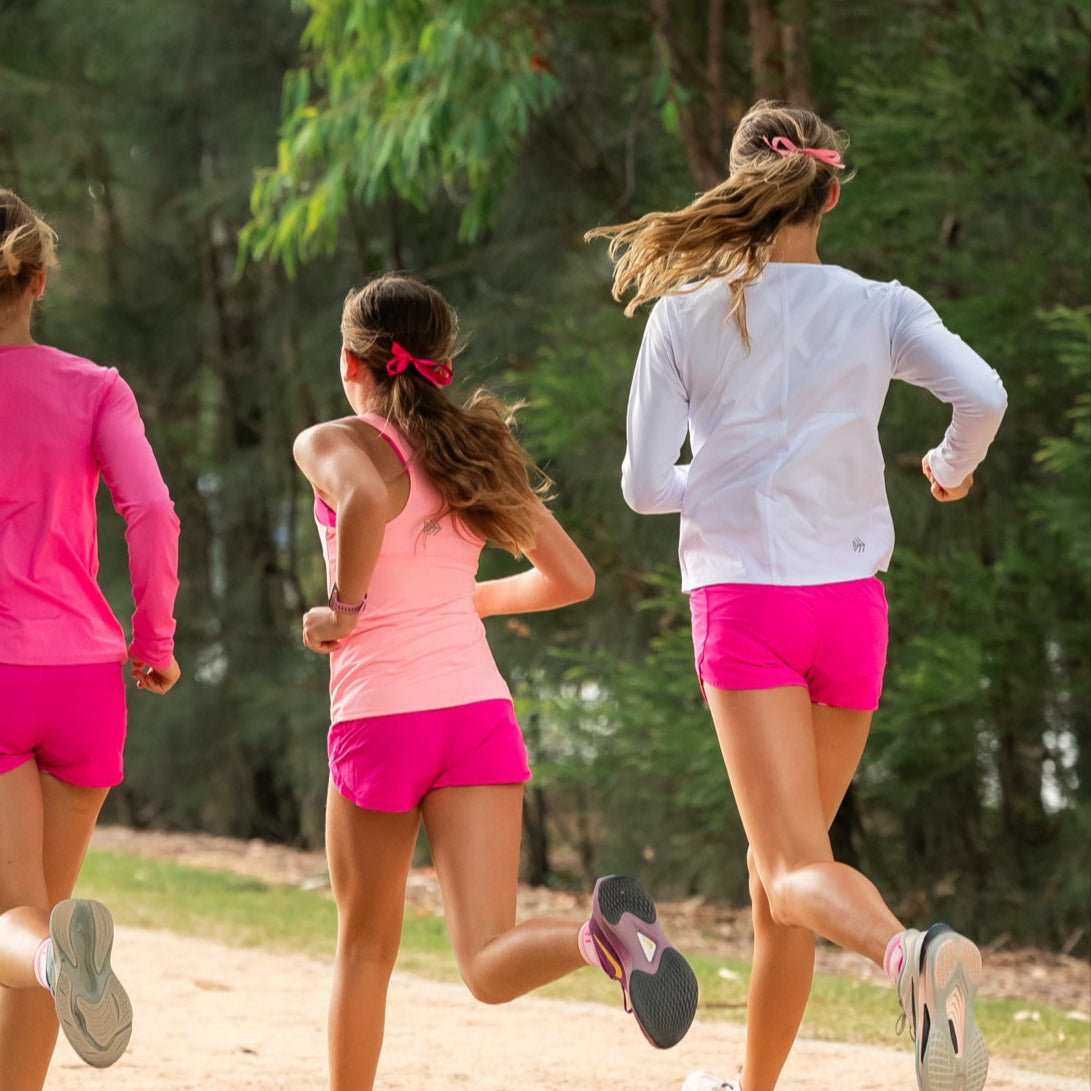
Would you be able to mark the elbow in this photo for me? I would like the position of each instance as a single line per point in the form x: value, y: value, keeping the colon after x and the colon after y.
x: 158, y: 513
x: 992, y: 401
x: 583, y: 583
x: 639, y: 498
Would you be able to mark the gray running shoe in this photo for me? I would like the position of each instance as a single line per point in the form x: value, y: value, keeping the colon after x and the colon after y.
x: 936, y: 986
x: 706, y: 1081
x: 93, y: 1008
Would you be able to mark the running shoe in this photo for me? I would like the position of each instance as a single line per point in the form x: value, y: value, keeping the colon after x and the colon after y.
x: 657, y: 984
x: 936, y: 986
x: 706, y: 1081
x: 93, y: 1008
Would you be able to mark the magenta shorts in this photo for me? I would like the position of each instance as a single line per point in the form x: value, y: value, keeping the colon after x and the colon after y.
x: 390, y: 763
x: 830, y: 638
x: 70, y: 720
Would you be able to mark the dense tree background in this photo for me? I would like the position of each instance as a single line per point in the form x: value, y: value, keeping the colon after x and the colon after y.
x: 221, y: 172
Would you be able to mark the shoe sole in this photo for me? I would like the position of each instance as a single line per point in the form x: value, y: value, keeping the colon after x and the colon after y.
x: 93, y: 1008
x: 951, y: 1056
x: 658, y: 981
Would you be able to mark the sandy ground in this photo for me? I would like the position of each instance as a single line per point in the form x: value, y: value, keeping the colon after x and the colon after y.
x: 215, y: 1018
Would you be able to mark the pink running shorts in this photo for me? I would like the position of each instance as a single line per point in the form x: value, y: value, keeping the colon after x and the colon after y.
x: 70, y: 720
x: 390, y: 763
x: 830, y: 638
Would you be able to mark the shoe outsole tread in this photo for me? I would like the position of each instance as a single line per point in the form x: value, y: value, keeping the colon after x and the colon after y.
x: 665, y: 1002
x: 92, y: 1006
x: 951, y: 975
x: 658, y: 981
x: 937, y: 987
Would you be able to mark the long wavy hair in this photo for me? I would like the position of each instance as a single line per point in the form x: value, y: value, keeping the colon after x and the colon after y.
x: 26, y: 246
x: 482, y: 473
x: 728, y: 231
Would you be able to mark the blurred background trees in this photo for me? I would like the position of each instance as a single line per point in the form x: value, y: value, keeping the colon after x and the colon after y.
x: 222, y: 173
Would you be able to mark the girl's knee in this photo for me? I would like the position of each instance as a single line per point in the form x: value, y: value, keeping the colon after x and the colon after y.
x: 473, y: 967
x: 480, y: 991
x: 777, y: 891
x: 358, y: 943
x: 783, y: 892
x: 759, y: 900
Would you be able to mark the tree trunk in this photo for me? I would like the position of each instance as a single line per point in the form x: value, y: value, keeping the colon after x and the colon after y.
x: 536, y: 869
x: 766, y: 73
x: 780, y: 66
x: 702, y: 136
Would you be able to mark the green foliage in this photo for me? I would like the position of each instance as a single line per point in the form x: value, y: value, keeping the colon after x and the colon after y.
x: 426, y: 100
x: 1061, y: 506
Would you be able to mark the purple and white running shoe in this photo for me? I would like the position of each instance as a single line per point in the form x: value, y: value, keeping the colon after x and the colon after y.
x: 657, y: 984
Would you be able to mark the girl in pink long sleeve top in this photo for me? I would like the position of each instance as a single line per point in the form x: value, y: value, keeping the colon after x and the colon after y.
x: 64, y: 423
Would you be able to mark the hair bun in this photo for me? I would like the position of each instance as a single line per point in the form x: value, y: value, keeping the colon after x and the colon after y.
x: 10, y: 263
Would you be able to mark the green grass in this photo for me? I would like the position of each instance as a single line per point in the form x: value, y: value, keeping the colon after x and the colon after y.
x: 242, y: 912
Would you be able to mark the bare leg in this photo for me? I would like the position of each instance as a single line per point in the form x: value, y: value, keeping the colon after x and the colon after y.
x: 768, y: 742
x: 45, y: 827
x: 474, y: 834
x: 783, y: 965
x: 369, y: 853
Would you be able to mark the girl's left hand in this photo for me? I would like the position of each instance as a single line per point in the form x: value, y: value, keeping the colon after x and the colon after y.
x: 324, y: 628
x: 943, y: 495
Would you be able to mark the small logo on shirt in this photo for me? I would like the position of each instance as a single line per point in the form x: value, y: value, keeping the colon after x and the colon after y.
x: 430, y: 527
x: 858, y: 545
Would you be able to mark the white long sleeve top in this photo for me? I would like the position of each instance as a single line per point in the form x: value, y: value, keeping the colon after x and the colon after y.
x: 786, y: 483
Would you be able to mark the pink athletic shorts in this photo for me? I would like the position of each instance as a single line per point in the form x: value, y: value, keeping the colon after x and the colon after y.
x: 830, y: 638
x: 70, y: 720
x: 390, y: 763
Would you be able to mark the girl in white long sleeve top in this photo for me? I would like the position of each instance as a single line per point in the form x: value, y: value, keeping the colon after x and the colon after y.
x: 776, y: 368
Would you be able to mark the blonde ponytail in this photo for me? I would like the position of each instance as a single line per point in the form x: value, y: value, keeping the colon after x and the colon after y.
x: 728, y: 231
x: 27, y: 245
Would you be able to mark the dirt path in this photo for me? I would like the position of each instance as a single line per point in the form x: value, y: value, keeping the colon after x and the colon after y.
x: 215, y: 1018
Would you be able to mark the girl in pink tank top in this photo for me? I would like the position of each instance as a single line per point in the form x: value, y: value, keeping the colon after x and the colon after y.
x: 408, y: 490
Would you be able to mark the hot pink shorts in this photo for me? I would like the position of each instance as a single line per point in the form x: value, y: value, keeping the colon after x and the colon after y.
x: 830, y: 638
x: 70, y: 720
x: 390, y: 763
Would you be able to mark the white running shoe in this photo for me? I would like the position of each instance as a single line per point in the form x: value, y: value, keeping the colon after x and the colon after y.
x: 706, y: 1081
x: 936, y: 986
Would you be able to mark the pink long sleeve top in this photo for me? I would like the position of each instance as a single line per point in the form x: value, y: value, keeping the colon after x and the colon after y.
x: 64, y: 423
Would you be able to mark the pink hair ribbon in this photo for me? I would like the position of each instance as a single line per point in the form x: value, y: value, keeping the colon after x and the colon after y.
x: 438, y: 374
x: 783, y: 146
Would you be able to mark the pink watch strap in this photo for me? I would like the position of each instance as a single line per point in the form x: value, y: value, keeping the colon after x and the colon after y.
x: 345, y: 607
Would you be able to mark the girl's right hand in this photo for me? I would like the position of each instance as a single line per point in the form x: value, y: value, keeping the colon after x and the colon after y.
x: 323, y: 629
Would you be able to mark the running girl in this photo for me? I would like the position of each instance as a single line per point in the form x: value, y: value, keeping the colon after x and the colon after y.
x: 407, y: 492
x: 777, y: 367
x: 64, y: 422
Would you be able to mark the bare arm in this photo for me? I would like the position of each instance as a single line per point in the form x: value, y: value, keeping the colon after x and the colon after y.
x: 334, y: 459
x: 560, y: 575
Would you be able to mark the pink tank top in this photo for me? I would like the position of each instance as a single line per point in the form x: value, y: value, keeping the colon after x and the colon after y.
x: 419, y: 643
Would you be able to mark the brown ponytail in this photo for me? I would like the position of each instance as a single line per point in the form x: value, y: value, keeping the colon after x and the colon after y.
x: 469, y: 453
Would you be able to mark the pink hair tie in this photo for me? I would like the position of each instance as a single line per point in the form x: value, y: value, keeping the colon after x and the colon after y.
x: 438, y: 374
x: 783, y: 146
